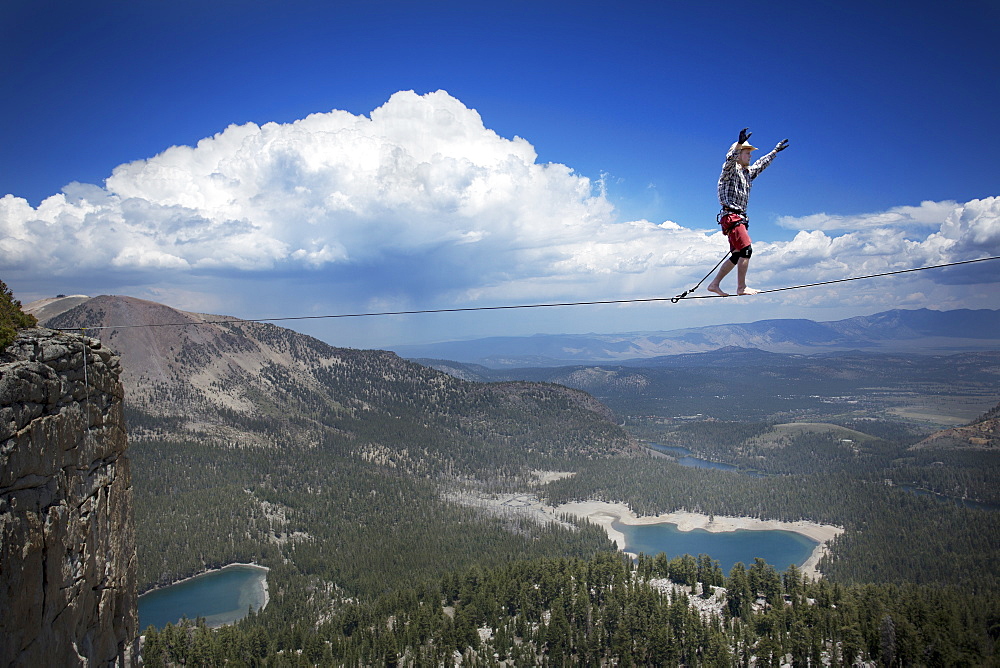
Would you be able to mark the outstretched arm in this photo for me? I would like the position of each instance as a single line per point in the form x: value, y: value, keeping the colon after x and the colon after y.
x: 765, y: 160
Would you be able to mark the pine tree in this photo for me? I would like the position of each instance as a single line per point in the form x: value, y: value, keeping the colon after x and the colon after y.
x: 739, y: 595
x: 12, y: 318
x: 558, y: 635
x: 793, y: 584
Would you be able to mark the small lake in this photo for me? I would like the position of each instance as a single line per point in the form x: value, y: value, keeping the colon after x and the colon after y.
x: 686, y: 458
x: 964, y: 503
x: 778, y: 548
x: 221, y: 597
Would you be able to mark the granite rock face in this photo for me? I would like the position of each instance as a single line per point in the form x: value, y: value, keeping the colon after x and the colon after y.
x: 67, y: 539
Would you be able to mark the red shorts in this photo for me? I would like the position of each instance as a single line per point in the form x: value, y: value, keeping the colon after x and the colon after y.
x: 739, y: 238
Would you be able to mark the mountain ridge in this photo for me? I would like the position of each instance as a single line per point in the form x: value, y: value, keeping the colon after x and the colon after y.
x: 230, y: 380
x: 922, y: 331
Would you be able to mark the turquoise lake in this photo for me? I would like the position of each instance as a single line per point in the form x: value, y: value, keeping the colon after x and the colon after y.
x: 778, y: 548
x: 221, y: 597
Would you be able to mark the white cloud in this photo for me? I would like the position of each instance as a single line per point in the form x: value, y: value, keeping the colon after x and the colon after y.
x: 419, y: 173
x: 419, y: 198
x: 928, y: 214
x: 962, y: 231
x: 974, y: 225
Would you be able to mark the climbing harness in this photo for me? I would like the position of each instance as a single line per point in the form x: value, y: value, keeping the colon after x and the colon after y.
x: 730, y: 219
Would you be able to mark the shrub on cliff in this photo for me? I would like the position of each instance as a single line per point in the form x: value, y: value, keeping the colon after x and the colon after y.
x: 12, y: 318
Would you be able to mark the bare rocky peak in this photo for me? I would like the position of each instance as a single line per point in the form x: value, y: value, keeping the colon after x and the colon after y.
x: 190, y: 365
x: 150, y: 337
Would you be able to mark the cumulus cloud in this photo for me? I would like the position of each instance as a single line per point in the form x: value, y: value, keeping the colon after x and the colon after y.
x: 420, y: 195
x: 928, y: 214
x: 420, y: 172
x: 947, y: 232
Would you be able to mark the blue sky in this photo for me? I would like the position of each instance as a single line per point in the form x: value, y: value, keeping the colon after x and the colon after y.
x: 548, y: 151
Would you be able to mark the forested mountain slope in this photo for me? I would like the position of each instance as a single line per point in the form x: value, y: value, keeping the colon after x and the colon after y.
x: 250, y: 384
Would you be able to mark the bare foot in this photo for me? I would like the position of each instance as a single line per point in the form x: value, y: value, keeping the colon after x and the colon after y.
x: 717, y: 290
x: 748, y: 291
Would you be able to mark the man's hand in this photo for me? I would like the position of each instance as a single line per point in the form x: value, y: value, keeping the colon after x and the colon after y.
x: 782, y: 145
x: 744, y: 135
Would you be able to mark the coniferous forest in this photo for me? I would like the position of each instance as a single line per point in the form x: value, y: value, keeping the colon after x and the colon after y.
x: 607, y: 610
x: 336, y: 469
x: 398, y: 575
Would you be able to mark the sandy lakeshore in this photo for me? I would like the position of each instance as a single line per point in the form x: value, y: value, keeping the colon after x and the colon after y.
x: 265, y: 593
x: 605, y: 514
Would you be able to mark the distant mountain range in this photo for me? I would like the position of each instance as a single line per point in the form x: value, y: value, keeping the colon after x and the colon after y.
x: 898, y: 331
x: 225, y: 380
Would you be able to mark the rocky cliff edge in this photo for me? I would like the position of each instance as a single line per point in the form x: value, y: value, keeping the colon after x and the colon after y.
x: 67, y: 541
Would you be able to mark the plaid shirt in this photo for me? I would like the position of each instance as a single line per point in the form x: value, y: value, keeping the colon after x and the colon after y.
x: 735, y: 181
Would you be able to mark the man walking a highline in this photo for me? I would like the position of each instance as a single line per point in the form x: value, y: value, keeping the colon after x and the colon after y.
x: 734, y: 192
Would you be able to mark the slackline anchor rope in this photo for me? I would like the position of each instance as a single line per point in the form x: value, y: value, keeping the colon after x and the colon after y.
x: 233, y: 321
x: 674, y: 300
x: 86, y: 383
